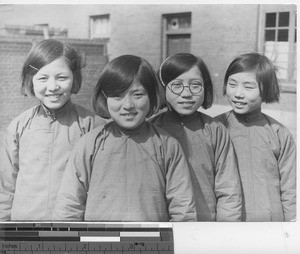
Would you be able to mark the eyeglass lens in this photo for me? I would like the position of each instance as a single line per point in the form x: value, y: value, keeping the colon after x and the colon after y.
x: 195, y: 87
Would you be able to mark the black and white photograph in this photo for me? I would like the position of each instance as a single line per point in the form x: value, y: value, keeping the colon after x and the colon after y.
x: 148, y: 127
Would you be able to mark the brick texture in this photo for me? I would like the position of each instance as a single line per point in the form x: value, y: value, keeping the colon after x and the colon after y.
x: 13, y: 52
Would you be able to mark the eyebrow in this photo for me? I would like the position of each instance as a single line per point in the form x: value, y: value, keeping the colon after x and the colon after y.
x: 138, y: 90
x: 191, y: 79
x: 231, y: 79
x: 46, y: 74
x: 244, y: 82
x: 250, y: 82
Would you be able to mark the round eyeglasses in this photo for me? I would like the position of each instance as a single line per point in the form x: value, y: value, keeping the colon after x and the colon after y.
x: 177, y: 87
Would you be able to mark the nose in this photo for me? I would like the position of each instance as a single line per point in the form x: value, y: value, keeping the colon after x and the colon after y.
x: 239, y: 92
x: 127, y: 103
x: 186, y: 92
x: 52, y: 85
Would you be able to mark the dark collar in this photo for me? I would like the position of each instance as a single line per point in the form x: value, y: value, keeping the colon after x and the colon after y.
x: 131, y: 132
x: 249, y: 117
x: 181, y: 119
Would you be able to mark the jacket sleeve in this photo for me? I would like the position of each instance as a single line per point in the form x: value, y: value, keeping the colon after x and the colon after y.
x: 227, y: 181
x: 72, y: 195
x: 287, y: 171
x: 179, y: 193
x: 9, y: 168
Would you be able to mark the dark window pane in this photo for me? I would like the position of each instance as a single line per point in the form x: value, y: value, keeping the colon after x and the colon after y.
x: 179, y: 21
x: 284, y: 19
x: 295, y: 35
x: 270, y: 35
x: 283, y: 35
x: 271, y: 19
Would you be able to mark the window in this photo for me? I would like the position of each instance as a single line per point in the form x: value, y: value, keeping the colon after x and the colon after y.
x: 176, y: 33
x: 280, y: 42
x: 100, y: 26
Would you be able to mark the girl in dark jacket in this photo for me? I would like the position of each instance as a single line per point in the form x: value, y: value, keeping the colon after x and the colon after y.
x: 206, y: 143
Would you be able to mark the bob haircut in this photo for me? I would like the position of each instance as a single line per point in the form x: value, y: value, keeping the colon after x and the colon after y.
x: 180, y: 63
x: 265, y: 74
x: 117, y: 77
x: 44, y: 53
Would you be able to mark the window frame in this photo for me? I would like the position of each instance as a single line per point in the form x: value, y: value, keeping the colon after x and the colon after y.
x: 288, y: 84
x: 92, y: 20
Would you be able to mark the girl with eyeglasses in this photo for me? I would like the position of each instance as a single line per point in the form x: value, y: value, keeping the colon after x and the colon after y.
x: 206, y: 143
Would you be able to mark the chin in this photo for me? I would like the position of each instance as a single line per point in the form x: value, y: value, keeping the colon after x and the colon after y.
x: 241, y: 111
x: 186, y: 112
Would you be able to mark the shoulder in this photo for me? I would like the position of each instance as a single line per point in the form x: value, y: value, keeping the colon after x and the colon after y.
x: 223, y: 118
x: 88, y: 116
x: 157, y: 119
x: 91, y: 140
x: 93, y: 134
x: 22, y: 119
x: 213, y: 125
x: 162, y: 137
x: 277, y: 127
x: 81, y: 111
x: 204, y: 117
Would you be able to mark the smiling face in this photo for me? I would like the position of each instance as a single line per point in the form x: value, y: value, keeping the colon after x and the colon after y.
x: 186, y: 103
x: 52, y: 84
x: 242, y: 91
x: 130, y: 108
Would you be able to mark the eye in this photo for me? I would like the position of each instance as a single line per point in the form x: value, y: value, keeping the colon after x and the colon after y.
x: 42, y: 78
x: 116, y: 97
x: 250, y: 87
x: 232, y: 84
x: 62, y: 78
x: 139, y: 95
x: 176, y: 84
x: 196, y: 84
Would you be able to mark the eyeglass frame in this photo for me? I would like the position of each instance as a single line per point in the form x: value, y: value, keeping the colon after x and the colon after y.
x: 183, y: 87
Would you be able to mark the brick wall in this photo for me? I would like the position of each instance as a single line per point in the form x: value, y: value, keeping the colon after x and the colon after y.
x: 13, y: 52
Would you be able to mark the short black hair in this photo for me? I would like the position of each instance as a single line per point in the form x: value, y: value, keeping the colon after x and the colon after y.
x: 117, y: 77
x: 180, y: 63
x: 265, y: 74
x: 45, y: 52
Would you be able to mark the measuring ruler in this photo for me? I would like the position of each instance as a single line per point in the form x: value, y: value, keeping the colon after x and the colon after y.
x: 82, y: 238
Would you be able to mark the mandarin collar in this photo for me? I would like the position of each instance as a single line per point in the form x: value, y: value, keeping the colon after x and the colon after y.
x: 173, y: 116
x: 56, y: 113
x: 131, y: 132
x: 250, y: 117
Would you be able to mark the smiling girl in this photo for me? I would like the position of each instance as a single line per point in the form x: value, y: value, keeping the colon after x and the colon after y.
x: 38, y: 142
x: 216, y: 184
x: 129, y: 170
x: 265, y: 149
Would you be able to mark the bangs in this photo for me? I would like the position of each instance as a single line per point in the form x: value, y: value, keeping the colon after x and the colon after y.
x: 119, y: 77
x: 177, y: 65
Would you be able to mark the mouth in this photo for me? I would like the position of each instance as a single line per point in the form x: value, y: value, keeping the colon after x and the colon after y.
x: 239, y: 103
x: 186, y: 102
x: 129, y: 115
x: 53, y: 96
